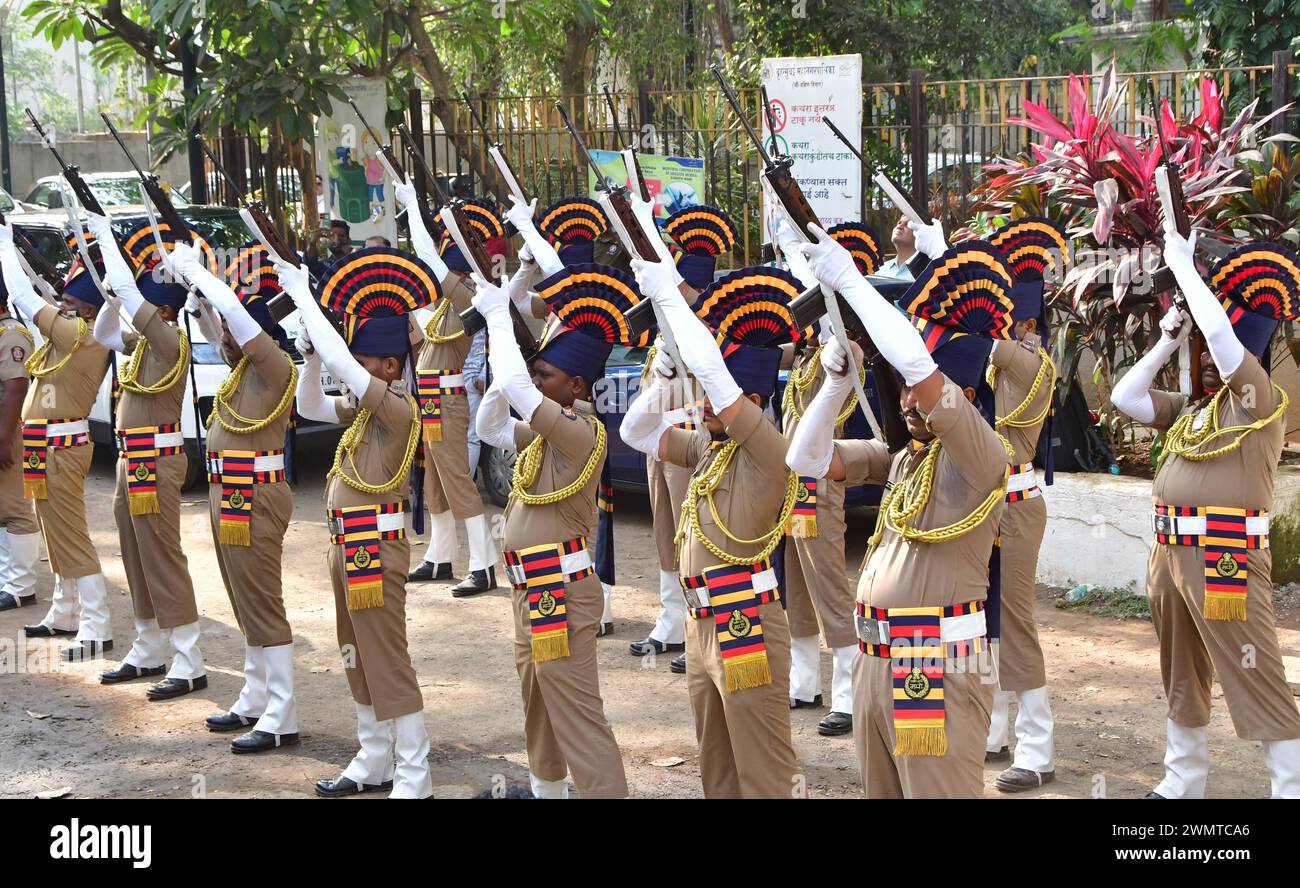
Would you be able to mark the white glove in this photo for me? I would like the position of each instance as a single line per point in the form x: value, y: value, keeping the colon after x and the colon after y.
x: 509, y: 372
x: 1132, y: 393
x: 662, y: 365
x: 657, y: 277
x: 696, y: 345
x: 405, y: 194
x: 1224, y: 346
x: 896, y: 338
x: 1175, y: 326
x: 490, y: 299
x: 493, y: 422
x: 526, y: 255
x: 100, y: 226
x: 644, y: 211
x: 521, y: 282
x: 293, y: 277
x: 422, y: 242
x: 21, y: 293
x: 520, y: 215
x: 790, y: 244
x: 929, y: 239
x: 812, y: 445
x: 118, y: 275
x: 302, y: 341
x: 187, y: 262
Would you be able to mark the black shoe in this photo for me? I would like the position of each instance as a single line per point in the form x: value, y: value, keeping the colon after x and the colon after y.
x: 1002, y: 755
x: 86, y: 650
x: 607, y: 629
x: 816, y: 703
x: 346, y: 786
x: 40, y: 630
x: 129, y: 672
x: 477, y: 581
x: 651, y: 645
x: 1023, y: 779
x: 228, y: 721
x: 10, y: 601
x: 261, y: 741
x: 171, y: 688
x: 835, y: 724
x: 678, y: 665
x: 1153, y: 795
x: 429, y: 571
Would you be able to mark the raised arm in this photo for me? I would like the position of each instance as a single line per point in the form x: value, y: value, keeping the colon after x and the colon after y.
x: 493, y: 422
x: 897, y: 339
x: 328, y: 344
x: 788, y: 241
x: 520, y: 215
x: 644, y: 427
x: 118, y: 275
x: 421, y: 241
x: 812, y: 450
x: 186, y: 261
x: 1132, y: 394
x: 509, y: 372
x: 313, y: 402
x: 22, y: 294
x: 1211, y: 319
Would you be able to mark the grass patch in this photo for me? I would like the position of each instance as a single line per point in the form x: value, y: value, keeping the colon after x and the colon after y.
x: 1116, y: 602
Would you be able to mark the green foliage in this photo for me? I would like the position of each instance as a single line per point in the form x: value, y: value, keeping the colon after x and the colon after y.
x: 1117, y: 602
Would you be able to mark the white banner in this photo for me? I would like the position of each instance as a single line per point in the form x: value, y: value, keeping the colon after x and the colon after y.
x: 356, y: 187
x: 800, y: 92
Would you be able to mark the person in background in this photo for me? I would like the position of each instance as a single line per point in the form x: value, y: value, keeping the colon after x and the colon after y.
x: 338, y: 238
x: 904, y: 240
x: 475, y: 373
x: 378, y: 240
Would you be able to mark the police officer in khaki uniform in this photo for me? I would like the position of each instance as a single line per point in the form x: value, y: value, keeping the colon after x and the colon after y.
x: 819, y: 596
x: 733, y: 518
x: 921, y: 691
x: 1036, y: 250
x: 557, y: 600
x: 368, y: 555
x: 450, y: 490
x: 249, y: 497
x: 20, y: 541
x: 152, y: 462
x: 66, y: 371
x: 1209, y: 576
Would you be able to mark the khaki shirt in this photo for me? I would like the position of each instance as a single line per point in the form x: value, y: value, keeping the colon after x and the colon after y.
x: 15, y: 347
x: 379, y: 454
x: 260, y: 389
x: 904, y: 573
x: 136, y: 411
x: 750, y: 494
x: 449, y: 356
x: 789, y: 418
x: 70, y: 393
x: 1018, y: 364
x: 570, y: 437
x: 1241, y: 479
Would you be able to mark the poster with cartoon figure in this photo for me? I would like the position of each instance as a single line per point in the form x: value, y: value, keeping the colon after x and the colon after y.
x: 356, y: 183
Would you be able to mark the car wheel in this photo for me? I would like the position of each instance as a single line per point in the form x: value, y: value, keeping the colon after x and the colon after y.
x: 498, y: 467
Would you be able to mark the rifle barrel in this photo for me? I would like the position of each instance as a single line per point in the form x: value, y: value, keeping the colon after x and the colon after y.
x: 843, y: 138
x: 418, y: 156
x: 112, y: 129
x: 582, y: 146
x: 740, y: 112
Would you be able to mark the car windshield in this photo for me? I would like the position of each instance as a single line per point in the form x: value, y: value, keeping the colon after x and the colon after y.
x: 125, y: 192
x: 6, y: 202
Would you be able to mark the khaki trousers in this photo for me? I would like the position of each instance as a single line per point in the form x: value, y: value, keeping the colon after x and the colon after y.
x: 448, y: 483
x: 817, y: 589
x: 155, y: 564
x: 62, y: 514
x: 1020, y: 657
x: 252, y: 573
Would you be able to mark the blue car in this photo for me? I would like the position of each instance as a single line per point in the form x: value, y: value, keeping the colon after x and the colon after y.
x: 620, y: 384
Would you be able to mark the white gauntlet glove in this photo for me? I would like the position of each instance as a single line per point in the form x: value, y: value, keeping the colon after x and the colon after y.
x: 929, y: 239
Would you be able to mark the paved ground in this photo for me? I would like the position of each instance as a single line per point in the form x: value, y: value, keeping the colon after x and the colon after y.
x: 59, y: 729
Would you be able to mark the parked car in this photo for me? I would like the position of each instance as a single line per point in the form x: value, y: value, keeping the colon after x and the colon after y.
x: 226, y: 232
x: 112, y: 190
x: 621, y: 383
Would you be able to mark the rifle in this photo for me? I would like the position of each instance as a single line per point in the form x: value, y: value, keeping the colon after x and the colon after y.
x: 893, y: 191
x: 613, y: 115
x: 778, y: 178
x: 43, y: 275
x: 253, y: 212
x: 452, y: 215
x: 71, y: 172
x: 494, y: 151
x: 613, y: 200
x: 1173, y: 202
x: 387, y: 158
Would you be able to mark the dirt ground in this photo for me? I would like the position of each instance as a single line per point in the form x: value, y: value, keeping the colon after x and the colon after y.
x: 60, y: 729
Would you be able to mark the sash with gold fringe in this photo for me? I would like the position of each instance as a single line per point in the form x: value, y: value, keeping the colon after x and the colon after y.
x: 35, y: 451
x: 356, y: 529
x: 1227, y: 563
x: 544, y: 582
x: 803, y: 516
x: 429, y: 391
x: 738, y: 626
x: 917, y: 665
x: 140, y: 447
x: 237, y: 477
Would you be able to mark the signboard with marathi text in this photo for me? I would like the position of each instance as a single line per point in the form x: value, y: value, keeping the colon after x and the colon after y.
x: 800, y: 92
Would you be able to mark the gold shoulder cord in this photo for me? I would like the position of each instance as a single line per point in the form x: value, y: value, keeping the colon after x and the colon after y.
x: 796, y: 389
x: 431, y: 329
x: 703, y: 485
x: 19, y: 328
x: 1046, y: 375
x: 129, y: 372
x: 246, y: 426
x: 906, y: 500
x: 35, y: 365
x: 530, y: 462
x: 352, y: 439
x: 1184, y: 441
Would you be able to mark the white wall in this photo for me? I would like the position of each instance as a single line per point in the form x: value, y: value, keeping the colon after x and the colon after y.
x: 93, y: 152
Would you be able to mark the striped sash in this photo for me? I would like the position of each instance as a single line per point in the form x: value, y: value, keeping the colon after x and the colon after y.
x: 803, y: 517
x: 359, y: 530
x: 429, y: 391
x: 36, y: 447
x: 538, y: 572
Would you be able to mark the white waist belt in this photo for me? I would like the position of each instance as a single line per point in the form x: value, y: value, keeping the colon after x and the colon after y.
x: 59, y: 429
x: 271, y: 463
x: 166, y: 439
x: 1022, y: 480
x: 385, y: 522
x: 570, y: 564
x: 951, y: 629
x: 452, y: 380
x: 1194, y: 525
x: 763, y: 581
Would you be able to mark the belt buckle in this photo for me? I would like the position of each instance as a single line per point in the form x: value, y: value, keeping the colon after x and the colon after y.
x: 692, y: 599
x: 335, y: 525
x: 869, y: 629
x: 1164, y: 524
